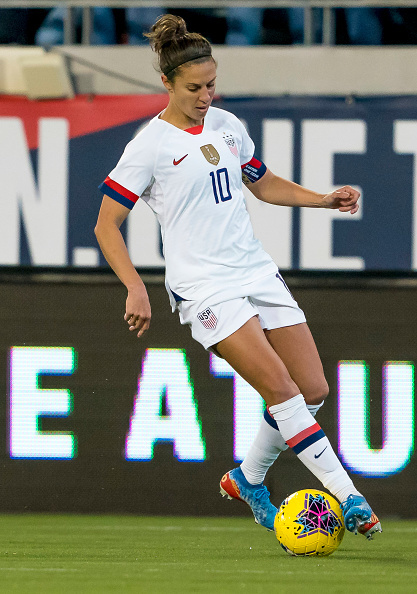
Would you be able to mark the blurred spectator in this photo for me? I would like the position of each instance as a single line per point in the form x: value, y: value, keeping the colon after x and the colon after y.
x: 364, y: 26
x: 139, y: 21
x: 52, y: 30
x: 356, y: 26
x: 295, y: 18
x: 233, y: 25
x: 244, y: 25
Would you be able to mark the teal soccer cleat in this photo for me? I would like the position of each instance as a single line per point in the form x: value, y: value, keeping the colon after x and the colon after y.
x: 235, y: 486
x: 359, y: 516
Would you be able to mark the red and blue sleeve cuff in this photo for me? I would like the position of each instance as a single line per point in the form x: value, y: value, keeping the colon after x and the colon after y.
x: 118, y: 193
x: 254, y: 169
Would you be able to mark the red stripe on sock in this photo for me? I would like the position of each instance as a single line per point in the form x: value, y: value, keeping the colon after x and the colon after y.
x: 303, y: 434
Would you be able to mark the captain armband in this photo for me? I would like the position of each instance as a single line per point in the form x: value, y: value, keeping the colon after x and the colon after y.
x: 253, y: 171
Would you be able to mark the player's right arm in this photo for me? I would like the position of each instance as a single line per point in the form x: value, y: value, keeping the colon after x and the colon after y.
x: 107, y: 230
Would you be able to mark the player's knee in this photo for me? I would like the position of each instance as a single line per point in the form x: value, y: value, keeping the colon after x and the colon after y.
x: 279, y: 392
x: 316, y: 393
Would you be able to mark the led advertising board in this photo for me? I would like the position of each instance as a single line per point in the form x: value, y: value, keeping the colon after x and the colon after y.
x: 95, y: 420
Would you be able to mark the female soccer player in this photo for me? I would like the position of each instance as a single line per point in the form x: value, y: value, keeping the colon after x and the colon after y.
x: 187, y: 164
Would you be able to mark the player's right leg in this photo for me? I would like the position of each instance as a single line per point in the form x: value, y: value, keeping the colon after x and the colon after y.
x: 273, y: 374
x: 296, y: 348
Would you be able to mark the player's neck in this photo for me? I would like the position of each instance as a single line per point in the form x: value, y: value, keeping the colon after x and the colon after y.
x: 179, y: 119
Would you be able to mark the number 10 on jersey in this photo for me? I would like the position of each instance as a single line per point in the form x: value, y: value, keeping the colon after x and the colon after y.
x: 221, y: 186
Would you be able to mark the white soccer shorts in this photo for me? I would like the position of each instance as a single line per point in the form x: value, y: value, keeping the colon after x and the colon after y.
x: 268, y: 298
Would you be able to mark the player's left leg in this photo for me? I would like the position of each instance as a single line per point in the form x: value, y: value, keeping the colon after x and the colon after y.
x: 296, y: 347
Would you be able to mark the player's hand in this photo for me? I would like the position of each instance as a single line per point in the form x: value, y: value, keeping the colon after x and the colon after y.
x: 344, y: 199
x: 138, y: 310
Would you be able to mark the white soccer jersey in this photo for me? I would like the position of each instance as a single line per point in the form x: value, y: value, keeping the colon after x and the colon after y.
x: 192, y: 180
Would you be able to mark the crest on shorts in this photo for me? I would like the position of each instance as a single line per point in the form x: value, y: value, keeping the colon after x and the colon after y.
x: 210, y: 153
x: 231, y: 143
x: 207, y: 318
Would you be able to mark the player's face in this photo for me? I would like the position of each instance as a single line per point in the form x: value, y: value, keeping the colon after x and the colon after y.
x: 193, y: 89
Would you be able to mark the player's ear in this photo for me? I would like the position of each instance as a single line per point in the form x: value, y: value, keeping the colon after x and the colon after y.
x: 166, y: 83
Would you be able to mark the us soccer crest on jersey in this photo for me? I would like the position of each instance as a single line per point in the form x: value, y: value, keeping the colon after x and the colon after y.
x: 231, y: 143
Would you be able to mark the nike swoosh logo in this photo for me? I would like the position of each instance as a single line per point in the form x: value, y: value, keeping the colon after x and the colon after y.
x: 318, y: 455
x: 179, y: 160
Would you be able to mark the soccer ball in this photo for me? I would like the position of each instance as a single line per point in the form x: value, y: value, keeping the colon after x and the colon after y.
x: 309, y: 522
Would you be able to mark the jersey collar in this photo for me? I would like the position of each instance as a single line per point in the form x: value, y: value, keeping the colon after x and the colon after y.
x: 195, y: 129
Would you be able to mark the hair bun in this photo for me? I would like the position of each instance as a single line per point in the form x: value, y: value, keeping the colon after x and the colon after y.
x: 181, y: 27
x: 168, y: 28
x: 175, y: 46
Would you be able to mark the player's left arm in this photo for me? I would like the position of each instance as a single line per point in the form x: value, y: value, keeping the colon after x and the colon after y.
x: 276, y: 190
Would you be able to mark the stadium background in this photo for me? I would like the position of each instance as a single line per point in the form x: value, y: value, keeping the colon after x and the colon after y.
x: 354, y: 279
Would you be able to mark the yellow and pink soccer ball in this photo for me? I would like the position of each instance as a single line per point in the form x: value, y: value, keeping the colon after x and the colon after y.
x: 308, y: 523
